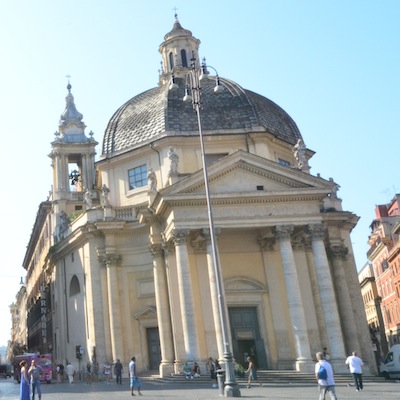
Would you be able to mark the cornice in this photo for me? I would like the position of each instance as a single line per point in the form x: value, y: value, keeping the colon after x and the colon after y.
x: 183, y: 200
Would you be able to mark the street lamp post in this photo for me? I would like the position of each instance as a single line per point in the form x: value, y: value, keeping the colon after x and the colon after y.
x: 193, y: 95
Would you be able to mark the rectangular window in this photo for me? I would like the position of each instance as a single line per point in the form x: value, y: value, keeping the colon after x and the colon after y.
x: 283, y: 162
x: 137, y: 177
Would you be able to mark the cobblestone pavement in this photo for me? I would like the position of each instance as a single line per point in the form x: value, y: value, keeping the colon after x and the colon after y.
x: 156, y: 389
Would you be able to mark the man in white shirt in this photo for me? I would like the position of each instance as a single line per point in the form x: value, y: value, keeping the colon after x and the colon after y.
x: 70, y: 372
x: 134, y: 378
x: 327, y: 384
x: 355, y: 364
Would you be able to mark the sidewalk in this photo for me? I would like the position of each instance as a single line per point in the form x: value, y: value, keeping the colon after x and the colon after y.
x: 157, y: 389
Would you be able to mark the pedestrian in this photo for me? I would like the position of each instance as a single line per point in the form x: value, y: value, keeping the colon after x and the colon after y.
x: 196, y: 370
x: 134, y: 378
x: 70, y: 372
x: 95, y: 370
x: 327, y: 356
x: 62, y: 375
x: 107, y: 372
x: 213, y: 372
x: 187, y: 371
x: 89, y: 373
x: 58, y: 374
x: 252, y: 371
x: 118, y: 371
x: 324, y: 376
x: 355, y: 364
x: 24, y: 389
x: 35, y: 372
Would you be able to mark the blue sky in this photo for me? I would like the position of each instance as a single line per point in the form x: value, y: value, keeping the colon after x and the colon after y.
x: 332, y: 65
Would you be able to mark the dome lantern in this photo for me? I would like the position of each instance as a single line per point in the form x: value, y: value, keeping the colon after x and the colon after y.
x: 178, y: 50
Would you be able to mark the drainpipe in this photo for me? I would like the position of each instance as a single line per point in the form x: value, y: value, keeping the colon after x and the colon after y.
x: 159, y: 162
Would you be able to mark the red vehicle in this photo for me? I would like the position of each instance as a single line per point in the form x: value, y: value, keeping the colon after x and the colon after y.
x: 45, y: 361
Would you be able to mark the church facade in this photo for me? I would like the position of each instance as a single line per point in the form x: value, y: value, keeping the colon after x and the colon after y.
x: 123, y: 248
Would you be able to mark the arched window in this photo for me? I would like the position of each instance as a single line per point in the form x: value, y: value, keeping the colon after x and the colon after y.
x: 74, y: 286
x: 171, y: 61
x: 183, y: 57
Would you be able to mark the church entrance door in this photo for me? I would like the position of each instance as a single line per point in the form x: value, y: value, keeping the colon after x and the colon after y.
x: 246, y: 340
x: 154, y: 350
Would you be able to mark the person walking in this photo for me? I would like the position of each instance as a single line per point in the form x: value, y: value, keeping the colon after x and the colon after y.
x: 118, y: 371
x: 252, y: 371
x: 324, y: 376
x: 24, y: 389
x: 355, y: 365
x: 70, y: 372
x: 35, y: 372
x: 88, y: 373
x: 134, y: 378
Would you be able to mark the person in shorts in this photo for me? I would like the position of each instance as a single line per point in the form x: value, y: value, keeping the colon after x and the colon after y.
x: 134, y: 378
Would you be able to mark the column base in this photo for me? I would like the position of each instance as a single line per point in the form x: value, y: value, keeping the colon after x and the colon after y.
x: 166, y: 369
x: 304, y: 365
x: 339, y: 366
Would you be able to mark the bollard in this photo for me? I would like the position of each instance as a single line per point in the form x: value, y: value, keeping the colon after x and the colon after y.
x: 221, y: 380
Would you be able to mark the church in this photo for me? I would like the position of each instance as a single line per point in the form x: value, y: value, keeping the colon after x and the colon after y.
x: 121, y: 260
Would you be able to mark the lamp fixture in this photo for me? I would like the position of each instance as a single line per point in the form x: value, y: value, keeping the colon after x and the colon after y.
x: 173, y: 85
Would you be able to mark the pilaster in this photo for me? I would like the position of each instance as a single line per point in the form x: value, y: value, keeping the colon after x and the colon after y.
x: 111, y: 260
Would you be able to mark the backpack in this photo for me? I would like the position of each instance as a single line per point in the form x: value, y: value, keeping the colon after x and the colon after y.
x: 322, y: 374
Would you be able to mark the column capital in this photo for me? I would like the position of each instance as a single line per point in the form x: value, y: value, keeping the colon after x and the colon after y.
x: 317, y: 231
x: 156, y: 249
x: 267, y: 243
x: 109, y: 259
x: 206, y: 233
x: 179, y: 236
x: 167, y: 246
x: 299, y: 242
x: 283, y: 231
x: 339, y: 251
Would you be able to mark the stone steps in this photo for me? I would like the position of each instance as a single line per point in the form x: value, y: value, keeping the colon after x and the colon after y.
x: 266, y: 376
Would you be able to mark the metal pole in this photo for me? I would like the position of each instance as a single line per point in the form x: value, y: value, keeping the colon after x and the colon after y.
x: 231, y: 388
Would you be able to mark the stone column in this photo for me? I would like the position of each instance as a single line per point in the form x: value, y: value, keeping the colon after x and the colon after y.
x: 85, y: 182
x: 163, y: 311
x: 186, y: 295
x: 111, y: 261
x: 64, y: 186
x: 295, y: 302
x: 338, y: 254
x: 214, y: 292
x: 327, y: 294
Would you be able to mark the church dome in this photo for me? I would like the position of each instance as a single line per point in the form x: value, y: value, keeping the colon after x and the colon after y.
x: 160, y: 112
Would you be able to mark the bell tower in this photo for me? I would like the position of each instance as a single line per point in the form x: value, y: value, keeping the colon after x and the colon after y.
x: 73, y: 162
x: 177, y: 51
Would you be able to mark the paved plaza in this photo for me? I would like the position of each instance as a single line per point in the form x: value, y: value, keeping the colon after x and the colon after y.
x: 157, y: 389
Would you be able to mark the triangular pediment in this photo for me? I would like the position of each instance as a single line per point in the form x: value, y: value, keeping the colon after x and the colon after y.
x: 148, y: 312
x: 243, y: 173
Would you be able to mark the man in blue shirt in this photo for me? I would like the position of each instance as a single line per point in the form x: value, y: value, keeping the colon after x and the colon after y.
x: 35, y: 372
